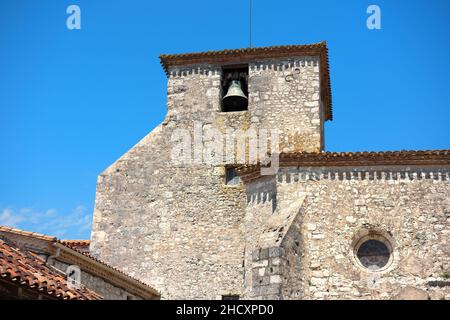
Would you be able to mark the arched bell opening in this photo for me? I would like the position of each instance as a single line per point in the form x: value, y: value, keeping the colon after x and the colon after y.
x: 234, y: 88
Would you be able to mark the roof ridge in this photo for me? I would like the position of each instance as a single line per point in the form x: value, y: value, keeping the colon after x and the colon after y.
x: 410, y: 151
x: 26, y: 233
x: 245, y: 49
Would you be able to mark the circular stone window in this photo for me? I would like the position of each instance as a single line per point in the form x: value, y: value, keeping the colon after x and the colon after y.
x: 373, y: 252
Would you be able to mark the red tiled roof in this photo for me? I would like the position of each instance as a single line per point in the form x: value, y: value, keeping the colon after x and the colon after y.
x: 81, y: 247
x: 22, y: 267
x: 260, y: 53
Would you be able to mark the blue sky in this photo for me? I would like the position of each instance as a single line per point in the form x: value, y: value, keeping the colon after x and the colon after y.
x: 73, y: 101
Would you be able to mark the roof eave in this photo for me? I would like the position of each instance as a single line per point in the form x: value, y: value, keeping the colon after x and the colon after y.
x: 136, y: 287
x: 352, y: 159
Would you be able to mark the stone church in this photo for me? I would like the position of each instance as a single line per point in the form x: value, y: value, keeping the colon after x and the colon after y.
x: 234, y: 196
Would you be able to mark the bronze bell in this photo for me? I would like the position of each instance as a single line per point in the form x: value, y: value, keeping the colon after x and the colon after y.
x: 235, y: 99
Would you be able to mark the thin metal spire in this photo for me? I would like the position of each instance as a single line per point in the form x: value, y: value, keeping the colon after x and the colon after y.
x: 250, y: 22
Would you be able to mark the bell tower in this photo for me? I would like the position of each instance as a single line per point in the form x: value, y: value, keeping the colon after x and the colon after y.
x: 284, y: 88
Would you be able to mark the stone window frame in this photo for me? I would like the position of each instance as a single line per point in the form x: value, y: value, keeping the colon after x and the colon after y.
x: 373, y: 234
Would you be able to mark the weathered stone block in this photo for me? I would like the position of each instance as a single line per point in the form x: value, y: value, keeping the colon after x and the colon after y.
x: 264, y: 253
x: 411, y: 293
x: 276, y: 252
x: 255, y: 255
x: 260, y: 263
x: 270, y: 289
x: 275, y: 279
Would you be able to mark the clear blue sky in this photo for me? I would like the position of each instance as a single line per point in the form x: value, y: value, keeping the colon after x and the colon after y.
x: 73, y: 101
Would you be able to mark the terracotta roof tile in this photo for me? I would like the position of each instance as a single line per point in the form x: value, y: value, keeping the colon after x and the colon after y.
x: 81, y: 243
x: 228, y: 56
x: 20, y: 266
x: 77, y: 244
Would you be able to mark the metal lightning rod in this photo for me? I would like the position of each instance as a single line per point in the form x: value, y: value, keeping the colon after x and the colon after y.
x: 250, y: 22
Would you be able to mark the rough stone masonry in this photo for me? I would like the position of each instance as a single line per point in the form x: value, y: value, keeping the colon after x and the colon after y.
x: 324, y: 226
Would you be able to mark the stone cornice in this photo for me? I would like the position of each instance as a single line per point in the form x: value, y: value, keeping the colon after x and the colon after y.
x: 352, y: 159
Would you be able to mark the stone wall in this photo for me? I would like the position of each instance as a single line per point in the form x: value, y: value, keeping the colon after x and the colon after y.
x: 408, y: 206
x: 175, y: 224
x: 174, y: 227
x: 285, y: 95
x: 107, y: 290
x: 267, y: 269
x: 293, y: 273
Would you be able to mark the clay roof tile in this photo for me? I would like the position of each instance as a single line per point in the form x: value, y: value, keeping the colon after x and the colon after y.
x: 20, y: 266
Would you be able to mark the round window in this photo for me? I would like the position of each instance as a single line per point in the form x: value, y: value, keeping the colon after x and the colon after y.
x: 373, y: 254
